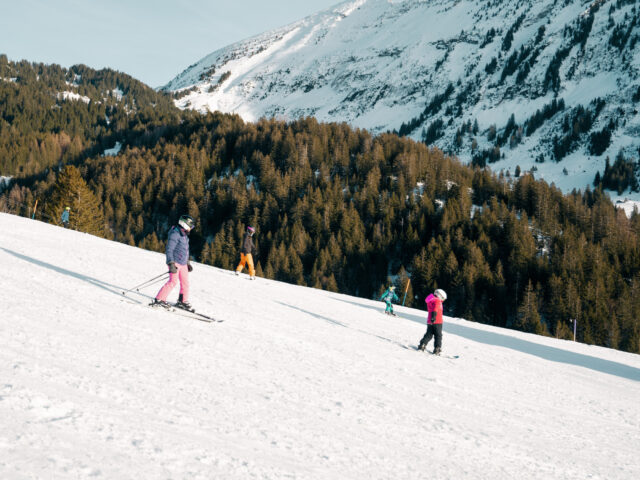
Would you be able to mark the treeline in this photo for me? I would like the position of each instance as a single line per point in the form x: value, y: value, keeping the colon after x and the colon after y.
x: 339, y: 209
x: 39, y: 128
x: 620, y: 176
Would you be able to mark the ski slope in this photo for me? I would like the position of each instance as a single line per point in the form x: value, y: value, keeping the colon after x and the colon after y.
x: 297, y: 383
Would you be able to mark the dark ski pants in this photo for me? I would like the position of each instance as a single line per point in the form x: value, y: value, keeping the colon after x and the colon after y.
x: 433, y: 330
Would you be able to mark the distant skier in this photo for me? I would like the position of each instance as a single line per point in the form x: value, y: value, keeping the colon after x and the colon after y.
x: 388, y: 297
x: 177, y: 255
x: 64, y: 218
x: 246, y: 253
x: 434, y: 321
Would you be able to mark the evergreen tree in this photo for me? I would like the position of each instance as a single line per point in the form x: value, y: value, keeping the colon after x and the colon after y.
x: 528, y: 318
x: 70, y: 190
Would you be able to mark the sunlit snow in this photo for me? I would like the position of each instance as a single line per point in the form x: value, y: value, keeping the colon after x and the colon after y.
x: 295, y: 383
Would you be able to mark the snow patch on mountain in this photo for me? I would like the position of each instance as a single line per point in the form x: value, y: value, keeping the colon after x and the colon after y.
x: 73, y: 96
x: 4, y: 182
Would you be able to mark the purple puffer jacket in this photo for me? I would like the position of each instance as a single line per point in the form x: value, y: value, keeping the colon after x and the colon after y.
x: 177, y: 246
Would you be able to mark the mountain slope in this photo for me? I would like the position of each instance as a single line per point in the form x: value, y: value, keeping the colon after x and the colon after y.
x: 296, y: 383
x: 51, y: 115
x: 452, y: 73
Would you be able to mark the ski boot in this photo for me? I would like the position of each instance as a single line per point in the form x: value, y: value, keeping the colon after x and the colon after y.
x: 436, y: 351
x: 184, y: 306
x: 422, y: 347
x: 159, y: 303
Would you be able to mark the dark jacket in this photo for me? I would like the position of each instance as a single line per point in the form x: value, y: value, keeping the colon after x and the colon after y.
x: 177, y: 246
x: 247, y: 244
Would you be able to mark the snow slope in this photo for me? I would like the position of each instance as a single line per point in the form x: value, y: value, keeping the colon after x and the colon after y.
x: 378, y: 64
x: 296, y: 383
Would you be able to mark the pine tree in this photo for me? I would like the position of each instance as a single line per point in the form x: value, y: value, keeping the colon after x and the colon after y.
x: 70, y: 190
x: 528, y: 318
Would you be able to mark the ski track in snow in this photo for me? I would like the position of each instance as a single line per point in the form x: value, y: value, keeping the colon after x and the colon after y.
x: 296, y: 383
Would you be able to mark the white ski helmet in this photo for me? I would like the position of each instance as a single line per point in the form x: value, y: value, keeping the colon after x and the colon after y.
x: 186, y: 222
x: 441, y: 294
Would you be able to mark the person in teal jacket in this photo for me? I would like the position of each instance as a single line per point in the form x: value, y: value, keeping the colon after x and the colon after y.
x: 389, y: 296
x: 65, y: 217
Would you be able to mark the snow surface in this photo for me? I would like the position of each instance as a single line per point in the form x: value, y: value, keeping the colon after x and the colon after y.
x: 115, y: 150
x: 4, y: 182
x: 74, y: 96
x: 296, y: 383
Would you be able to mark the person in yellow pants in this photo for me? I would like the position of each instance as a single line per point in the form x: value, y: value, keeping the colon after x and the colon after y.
x: 246, y: 254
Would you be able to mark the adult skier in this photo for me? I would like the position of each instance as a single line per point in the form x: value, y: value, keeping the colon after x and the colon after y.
x: 246, y: 253
x: 177, y: 256
x: 64, y: 218
x: 434, y: 321
x: 388, y: 297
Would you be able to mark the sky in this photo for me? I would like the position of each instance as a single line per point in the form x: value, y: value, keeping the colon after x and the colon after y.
x: 296, y: 383
x: 151, y: 40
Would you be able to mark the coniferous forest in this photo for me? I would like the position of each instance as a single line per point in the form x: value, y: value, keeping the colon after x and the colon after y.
x: 334, y: 207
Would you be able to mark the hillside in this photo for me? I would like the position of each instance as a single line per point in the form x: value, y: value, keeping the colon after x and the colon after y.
x: 296, y: 383
x: 50, y: 115
x: 549, y: 86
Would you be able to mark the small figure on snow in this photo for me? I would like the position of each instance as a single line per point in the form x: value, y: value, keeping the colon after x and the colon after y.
x: 246, y: 254
x: 64, y: 218
x: 177, y: 253
x: 434, y: 321
x: 389, y: 296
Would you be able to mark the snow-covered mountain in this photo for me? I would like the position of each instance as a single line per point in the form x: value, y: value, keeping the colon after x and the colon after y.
x: 295, y: 383
x: 465, y: 75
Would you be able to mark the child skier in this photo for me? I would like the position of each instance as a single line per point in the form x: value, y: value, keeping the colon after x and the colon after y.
x: 64, y: 218
x: 434, y: 321
x: 389, y: 296
x: 177, y: 254
x: 246, y: 253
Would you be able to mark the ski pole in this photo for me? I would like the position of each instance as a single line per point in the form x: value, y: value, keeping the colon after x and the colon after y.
x: 152, y: 283
x: 154, y: 279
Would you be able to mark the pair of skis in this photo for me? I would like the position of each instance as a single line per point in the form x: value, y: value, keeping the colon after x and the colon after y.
x: 188, y: 313
x: 443, y: 355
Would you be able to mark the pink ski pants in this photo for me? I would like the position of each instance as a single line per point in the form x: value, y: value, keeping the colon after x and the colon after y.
x: 181, y: 275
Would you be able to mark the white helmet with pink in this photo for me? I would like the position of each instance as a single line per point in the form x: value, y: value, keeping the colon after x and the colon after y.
x: 441, y: 294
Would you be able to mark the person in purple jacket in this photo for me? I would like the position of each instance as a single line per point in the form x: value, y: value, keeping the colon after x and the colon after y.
x: 177, y: 253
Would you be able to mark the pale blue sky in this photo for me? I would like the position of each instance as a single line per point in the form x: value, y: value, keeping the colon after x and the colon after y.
x: 151, y: 40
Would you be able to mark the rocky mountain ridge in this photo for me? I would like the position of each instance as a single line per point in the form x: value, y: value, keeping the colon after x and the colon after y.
x: 551, y: 87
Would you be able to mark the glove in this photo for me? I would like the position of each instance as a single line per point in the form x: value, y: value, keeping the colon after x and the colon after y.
x: 189, y: 267
x: 172, y: 267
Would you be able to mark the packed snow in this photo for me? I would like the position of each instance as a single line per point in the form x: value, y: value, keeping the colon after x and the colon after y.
x: 295, y: 383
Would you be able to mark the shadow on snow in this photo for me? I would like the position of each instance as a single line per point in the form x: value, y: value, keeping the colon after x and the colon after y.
x: 532, y: 348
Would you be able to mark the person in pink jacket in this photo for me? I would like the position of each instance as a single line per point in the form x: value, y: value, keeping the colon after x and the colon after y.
x: 434, y: 321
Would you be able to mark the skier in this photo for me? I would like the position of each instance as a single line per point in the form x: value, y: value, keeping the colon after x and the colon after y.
x: 246, y: 253
x: 64, y: 218
x: 389, y: 296
x: 434, y: 321
x: 177, y: 254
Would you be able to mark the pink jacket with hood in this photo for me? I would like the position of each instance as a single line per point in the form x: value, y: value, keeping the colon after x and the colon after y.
x: 434, y: 307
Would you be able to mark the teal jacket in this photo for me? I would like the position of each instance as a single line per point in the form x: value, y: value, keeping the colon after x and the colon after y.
x: 389, y: 296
